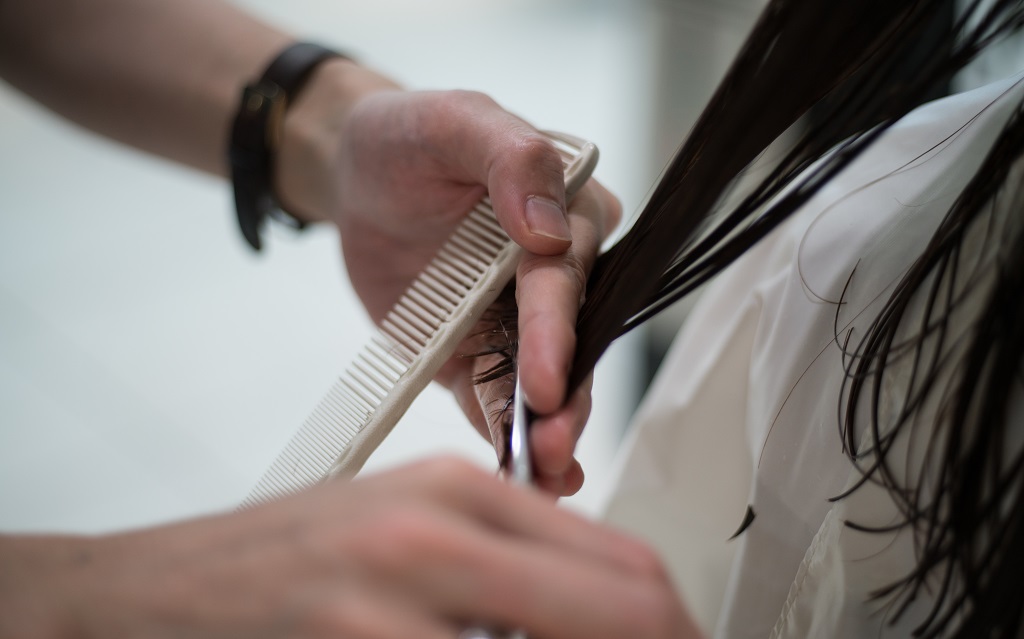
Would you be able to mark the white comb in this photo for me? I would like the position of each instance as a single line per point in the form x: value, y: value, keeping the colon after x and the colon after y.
x: 413, y: 341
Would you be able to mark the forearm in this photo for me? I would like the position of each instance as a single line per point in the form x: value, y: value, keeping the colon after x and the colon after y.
x: 34, y: 573
x: 160, y: 75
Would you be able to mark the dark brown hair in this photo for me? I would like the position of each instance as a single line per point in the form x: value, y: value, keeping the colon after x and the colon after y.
x: 842, y: 60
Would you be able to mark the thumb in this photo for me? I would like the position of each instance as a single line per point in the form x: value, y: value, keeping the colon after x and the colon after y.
x: 520, y: 167
x: 526, y: 184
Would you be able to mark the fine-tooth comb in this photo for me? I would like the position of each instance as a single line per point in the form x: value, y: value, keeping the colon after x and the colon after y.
x: 418, y: 335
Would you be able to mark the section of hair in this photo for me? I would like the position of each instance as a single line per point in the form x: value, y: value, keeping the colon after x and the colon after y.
x: 966, y: 507
x: 494, y: 347
x: 799, y: 53
x: 844, y: 60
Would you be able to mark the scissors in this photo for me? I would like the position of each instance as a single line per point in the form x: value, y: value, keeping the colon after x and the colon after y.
x: 520, y: 471
x: 521, y: 467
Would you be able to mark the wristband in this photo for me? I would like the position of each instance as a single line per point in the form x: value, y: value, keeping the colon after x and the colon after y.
x: 256, y: 134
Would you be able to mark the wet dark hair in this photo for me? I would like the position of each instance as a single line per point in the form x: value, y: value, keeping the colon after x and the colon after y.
x: 965, y: 504
x: 843, y: 57
x: 842, y: 62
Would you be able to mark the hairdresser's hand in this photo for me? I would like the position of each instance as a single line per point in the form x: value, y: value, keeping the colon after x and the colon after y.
x: 396, y: 171
x: 418, y: 552
x: 548, y: 300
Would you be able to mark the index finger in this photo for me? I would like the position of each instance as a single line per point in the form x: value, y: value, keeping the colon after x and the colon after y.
x: 522, y: 514
x: 549, y: 292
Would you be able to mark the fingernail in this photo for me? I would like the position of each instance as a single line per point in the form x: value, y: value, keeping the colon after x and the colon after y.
x: 545, y: 218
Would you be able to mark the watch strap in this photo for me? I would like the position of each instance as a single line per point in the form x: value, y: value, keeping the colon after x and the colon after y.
x: 256, y: 132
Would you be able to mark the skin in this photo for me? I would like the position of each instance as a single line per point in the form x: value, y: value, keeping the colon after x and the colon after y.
x: 132, y: 79
x: 420, y: 551
x: 408, y: 213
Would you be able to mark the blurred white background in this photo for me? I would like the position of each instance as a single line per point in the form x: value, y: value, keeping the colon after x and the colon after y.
x: 151, y: 366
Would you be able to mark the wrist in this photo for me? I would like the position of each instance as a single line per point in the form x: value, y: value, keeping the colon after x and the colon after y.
x: 306, y: 168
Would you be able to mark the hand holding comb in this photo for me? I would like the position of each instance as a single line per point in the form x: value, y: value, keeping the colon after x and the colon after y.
x: 413, y: 341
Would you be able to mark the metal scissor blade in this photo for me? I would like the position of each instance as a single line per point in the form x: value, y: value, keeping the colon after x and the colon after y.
x: 521, y: 466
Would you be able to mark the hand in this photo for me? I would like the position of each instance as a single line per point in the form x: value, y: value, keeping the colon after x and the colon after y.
x: 396, y: 171
x: 420, y: 552
x: 547, y: 318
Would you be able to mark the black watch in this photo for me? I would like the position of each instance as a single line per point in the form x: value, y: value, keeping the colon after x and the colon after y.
x: 255, y: 136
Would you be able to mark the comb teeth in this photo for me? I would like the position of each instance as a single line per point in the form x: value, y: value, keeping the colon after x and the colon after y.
x: 412, y: 342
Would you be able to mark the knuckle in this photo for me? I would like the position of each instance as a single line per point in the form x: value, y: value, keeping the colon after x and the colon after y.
x: 395, y: 541
x: 532, y: 146
x: 472, y: 98
x: 538, y: 153
x: 576, y: 274
x: 570, y: 267
x: 462, y: 104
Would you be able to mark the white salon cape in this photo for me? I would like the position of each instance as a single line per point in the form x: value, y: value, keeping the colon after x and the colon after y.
x: 745, y: 409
